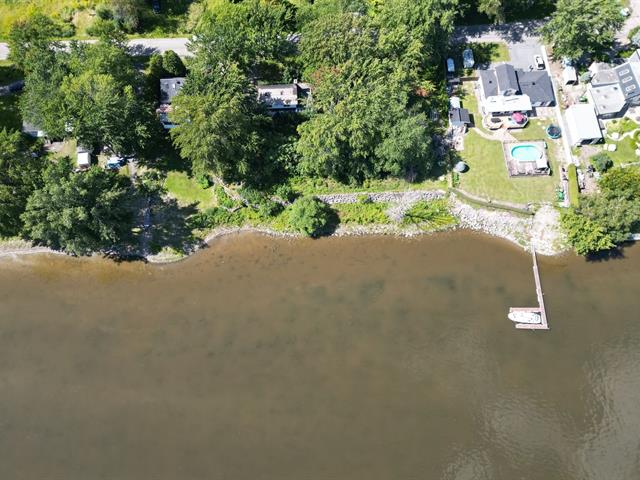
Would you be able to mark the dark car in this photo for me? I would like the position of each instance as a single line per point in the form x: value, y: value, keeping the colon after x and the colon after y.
x: 155, y: 5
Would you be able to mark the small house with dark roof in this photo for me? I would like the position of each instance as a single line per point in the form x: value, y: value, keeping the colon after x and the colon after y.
x: 459, y: 117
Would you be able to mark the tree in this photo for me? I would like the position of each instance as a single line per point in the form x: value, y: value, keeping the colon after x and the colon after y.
x: 494, y: 9
x: 249, y: 33
x: 20, y: 174
x: 92, y: 93
x: 219, y: 124
x: 585, y: 235
x: 34, y: 33
x: 310, y: 216
x: 601, y: 162
x: 583, y: 27
x: 172, y: 64
x: 80, y: 213
x: 607, y: 218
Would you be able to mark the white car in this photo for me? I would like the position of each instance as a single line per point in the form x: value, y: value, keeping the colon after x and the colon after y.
x: 538, y: 62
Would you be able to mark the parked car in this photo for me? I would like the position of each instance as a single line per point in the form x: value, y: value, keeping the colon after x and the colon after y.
x: 155, y: 6
x: 538, y: 62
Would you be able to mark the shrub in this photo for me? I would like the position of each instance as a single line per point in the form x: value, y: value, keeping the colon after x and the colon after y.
x: 173, y: 64
x: 203, y: 180
x: 104, y: 12
x: 601, y: 162
x: 434, y: 214
x: 224, y: 200
x: 285, y: 192
x: 363, y: 212
x: 310, y: 216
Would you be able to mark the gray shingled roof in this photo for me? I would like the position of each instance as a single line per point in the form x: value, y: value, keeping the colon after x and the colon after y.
x: 537, y: 85
x: 169, y: 88
x: 506, y: 77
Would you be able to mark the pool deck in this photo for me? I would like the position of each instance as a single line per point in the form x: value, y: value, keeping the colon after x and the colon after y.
x: 523, y: 169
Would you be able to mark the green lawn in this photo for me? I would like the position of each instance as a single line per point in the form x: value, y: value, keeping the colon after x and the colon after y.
x: 10, y: 117
x: 487, y: 175
x: 625, y: 153
x: 81, y: 14
x: 187, y: 191
x: 621, y: 126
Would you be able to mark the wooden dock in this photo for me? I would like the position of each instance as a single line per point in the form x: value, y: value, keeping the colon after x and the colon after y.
x: 543, y: 325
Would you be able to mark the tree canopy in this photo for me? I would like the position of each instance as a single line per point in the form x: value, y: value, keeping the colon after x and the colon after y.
x: 583, y: 27
x: 20, y: 174
x: 605, y: 219
x: 79, y: 213
x: 90, y: 92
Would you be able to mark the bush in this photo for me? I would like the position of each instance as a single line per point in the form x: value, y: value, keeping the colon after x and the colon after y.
x: 224, y: 200
x: 574, y: 191
x: 310, y: 216
x: 104, y: 12
x: 601, y: 162
x: 285, y: 192
x: 434, y: 214
x: 173, y: 64
x: 203, y: 180
x: 363, y: 212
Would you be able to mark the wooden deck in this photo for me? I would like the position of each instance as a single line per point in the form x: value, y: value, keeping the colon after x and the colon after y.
x: 543, y: 325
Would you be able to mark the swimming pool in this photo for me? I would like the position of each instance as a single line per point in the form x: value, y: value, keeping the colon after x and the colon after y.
x: 526, y: 153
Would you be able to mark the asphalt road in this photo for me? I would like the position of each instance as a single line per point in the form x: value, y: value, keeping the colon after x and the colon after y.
x: 139, y: 46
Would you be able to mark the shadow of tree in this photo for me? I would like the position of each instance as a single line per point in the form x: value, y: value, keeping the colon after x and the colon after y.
x: 170, y: 226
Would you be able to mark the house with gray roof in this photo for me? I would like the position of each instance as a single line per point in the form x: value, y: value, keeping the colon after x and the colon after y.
x: 613, y: 90
x: 169, y: 88
x: 506, y: 81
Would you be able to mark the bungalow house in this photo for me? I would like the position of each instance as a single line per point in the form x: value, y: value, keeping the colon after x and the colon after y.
x: 505, y: 90
x: 583, y: 127
x: 169, y: 88
x: 614, y: 89
x: 286, y: 97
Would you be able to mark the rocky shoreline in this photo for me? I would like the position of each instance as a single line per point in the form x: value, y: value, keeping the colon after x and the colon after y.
x: 541, y: 230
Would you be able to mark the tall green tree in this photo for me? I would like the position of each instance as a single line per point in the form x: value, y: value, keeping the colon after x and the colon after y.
x: 20, y: 175
x: 494, y: 9
x: 583, y: 27
x: 31, y: 34
x: 80, y: 213
x: 90, y: 92
x: 219, y: 124
x: 251, y: 34
x: 172, y: 64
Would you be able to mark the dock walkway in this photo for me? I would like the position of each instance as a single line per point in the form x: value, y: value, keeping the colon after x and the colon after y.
x: 543, y: 325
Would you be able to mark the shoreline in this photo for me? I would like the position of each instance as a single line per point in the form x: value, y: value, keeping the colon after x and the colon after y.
x: 541, y: 230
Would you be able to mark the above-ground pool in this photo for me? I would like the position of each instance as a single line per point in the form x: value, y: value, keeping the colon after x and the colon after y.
x: 526, y: 153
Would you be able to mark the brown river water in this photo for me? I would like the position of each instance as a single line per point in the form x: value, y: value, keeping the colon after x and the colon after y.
x: 352, y: 358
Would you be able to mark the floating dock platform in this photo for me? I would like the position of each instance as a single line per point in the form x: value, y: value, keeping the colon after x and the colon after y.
x: 540, y: 309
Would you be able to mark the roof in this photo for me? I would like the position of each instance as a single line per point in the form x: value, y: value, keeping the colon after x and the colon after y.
x: 170, y: 87
x: 506, y: 77
x: 569, y: 74
x: 84, y: 158
x: 536, y: 84
x: 628, y: 74
x: 582, y: 123
x: 608, y: 99
x: 489, y: 83
x: 511, y: 103
x: 459, y: 115
x: 279, y: 96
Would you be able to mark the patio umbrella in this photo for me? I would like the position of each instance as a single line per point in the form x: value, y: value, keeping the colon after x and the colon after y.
x: 518, y: 117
